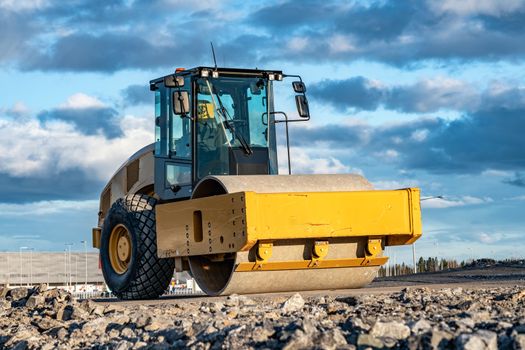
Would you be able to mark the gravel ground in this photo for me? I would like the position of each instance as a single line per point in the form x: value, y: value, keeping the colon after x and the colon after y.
x: 412, y: 318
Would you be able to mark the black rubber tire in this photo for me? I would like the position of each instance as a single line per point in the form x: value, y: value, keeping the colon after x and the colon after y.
x: 147, y: 276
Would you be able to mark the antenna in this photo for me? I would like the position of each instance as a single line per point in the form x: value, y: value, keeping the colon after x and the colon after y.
x: 213, y: 53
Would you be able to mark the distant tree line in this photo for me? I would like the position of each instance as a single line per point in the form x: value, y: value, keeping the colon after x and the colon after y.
x: 423, y: 265
x: 435, y: 264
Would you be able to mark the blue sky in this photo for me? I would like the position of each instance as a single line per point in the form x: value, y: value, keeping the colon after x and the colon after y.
x: 407, y: 93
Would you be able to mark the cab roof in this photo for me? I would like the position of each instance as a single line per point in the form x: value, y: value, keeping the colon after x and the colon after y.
x: 222, y: 71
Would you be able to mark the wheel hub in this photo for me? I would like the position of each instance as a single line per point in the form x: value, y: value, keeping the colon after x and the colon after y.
x: 120, y: 248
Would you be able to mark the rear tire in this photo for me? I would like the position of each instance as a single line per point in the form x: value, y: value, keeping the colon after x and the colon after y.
x: 135, y: 271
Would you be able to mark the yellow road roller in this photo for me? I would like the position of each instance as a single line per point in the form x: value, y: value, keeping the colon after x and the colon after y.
x: 206, y: 198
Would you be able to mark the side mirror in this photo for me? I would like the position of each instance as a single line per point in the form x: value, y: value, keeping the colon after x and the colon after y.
x: 299, y: 87
x: 173, y: 81
x: 302, y: 106
x: 181, y: 102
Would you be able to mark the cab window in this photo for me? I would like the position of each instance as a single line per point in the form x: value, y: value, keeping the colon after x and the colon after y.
x: 180, y: 128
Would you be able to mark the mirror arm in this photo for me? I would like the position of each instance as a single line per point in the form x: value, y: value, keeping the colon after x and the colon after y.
x: 285, y: 120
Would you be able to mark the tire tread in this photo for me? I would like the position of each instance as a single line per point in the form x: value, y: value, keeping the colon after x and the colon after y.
x: 153, y: 275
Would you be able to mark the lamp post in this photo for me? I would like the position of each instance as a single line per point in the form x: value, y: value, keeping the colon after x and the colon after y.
x: 86, y: 264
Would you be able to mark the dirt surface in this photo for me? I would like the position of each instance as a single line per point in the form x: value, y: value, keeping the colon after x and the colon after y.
x: 473, y: 277
x: 479, y: 307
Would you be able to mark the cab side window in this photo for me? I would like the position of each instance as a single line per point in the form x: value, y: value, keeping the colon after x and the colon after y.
x: 180, y: 131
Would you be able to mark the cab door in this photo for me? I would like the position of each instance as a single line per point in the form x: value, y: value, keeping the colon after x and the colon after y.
x: 173, y: 146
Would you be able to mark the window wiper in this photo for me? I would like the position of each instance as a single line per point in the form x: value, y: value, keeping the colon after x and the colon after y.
x: 231, y: 125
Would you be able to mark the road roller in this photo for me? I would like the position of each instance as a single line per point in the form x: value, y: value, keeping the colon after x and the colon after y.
x: 206, y: 197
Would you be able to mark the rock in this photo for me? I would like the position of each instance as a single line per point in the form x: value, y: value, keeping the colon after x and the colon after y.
x: 480, y: 316
x: 57, y: 295
x: 421, y: 326
x: 35, y: 301
x: 481, y: 339
x: 261, y: 334
x: 45, y: 324
x: 22, y: 345
x: 90, y: 306
x: 413, y: 319
x: 24, y: 333
x: 519, y: 342
x: 3, y: 291
x: 294, y: 303
x: 520, y: 328
x: 157, y: 323
x: 41, y: 288
x: 5, y: 304
x: 359, y: 323
x: 113, y: 333
x: 140, y: 345
x: 48, y: 346
x: 18, y: 293
x: 172, y: 335
x: 113, y: 308
x: 331, y: 339
x: 457, y: 291
x: 64, y: 312
x: 367, y: 340
x: 78, y: 313
x: 393, y: 329
x: 141, y: 321
x: 123, y: 345
x: 299, y: 340
x: 118, y: 319
x: 518, y: 296
x: 96, y: 326
x: 127, y: 333
x: 62, y: 334
x: 466, y: 323
x: 299, y: 334
x: 439, y: 339
x: 238, y: 300
x: 502, y: 325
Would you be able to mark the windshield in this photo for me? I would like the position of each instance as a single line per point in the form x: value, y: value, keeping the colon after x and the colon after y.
x: 232, y: 112
x: 239, y: 105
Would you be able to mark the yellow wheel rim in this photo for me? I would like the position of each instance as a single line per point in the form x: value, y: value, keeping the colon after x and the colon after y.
x: 120, y: 249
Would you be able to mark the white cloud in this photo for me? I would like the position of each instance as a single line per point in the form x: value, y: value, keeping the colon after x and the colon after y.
x: 445, y: 93
x: 18, y: 110
x: 304, y: 163
x: 489, y: 238
x: 32, y: 148
x: 82, y: 101
x: 473, y: 7
x: 22, y: 5
x: 298, y: 44
x: 387, y: 155
x: 394, y: 185
x: 46, y: 207
x: 340, y: 44
x: 516, y: 198
x: 496, y: 173
x: 419, y: 135
x: 454, y: 202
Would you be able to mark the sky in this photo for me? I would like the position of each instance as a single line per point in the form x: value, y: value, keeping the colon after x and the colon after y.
x: 407, y: 93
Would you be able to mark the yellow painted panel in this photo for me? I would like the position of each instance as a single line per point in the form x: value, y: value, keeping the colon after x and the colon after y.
x: 201, y: 226
x: 235, y: 222
x: 332, y: 214
x: 307, y: 264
